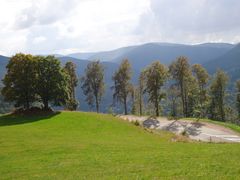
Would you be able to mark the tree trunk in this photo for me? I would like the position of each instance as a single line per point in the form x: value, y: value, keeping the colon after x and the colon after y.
x: 27, y: 104
x: 157, y: 107
x: 73, y: 92
x: 97, y: 103
x: 183, y: 99
x: 157, y: 111
x: 125, y: 106
x: 140, y: 105
x: 221, y: 104
x: 186, y: 103
x: 45, y: 104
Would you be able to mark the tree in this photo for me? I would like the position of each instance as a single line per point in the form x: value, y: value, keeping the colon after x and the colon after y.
x: 218, y: 93
x: 238, y: 97
x: 19, y: 81
x: 156, y: 75
x: 52, y: 81
x: 180, y: 71
x: 70, y: 69
x: 141, y: 89
x: 93, y: 83
x: 122, y: 86
x: 173, y: 97
x: 135, y: 101
x: 202, y: 78
x: 202, y: 81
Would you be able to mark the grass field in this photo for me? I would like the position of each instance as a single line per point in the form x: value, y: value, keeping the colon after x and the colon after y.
x: 77, y: 145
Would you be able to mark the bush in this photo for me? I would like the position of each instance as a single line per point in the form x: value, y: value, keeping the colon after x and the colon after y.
x: 184, y: 133
x: 32, y: 111
x: 136, y: 123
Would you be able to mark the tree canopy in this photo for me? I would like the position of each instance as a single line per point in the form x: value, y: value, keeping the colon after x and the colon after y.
x: 93, y: 83
x: 155, y: 76
x: 122, y: 85
x: 70, y: 69
x: 32, y: 79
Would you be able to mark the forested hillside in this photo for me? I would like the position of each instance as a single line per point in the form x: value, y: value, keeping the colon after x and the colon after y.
x: 211, y: 55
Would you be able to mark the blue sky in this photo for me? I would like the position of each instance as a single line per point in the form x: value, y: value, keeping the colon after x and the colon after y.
x: 66, y: 26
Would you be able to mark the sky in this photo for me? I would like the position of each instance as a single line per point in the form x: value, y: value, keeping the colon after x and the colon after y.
x: 69, y: 26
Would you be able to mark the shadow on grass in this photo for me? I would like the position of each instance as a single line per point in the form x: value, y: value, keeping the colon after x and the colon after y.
x: 11, y: 119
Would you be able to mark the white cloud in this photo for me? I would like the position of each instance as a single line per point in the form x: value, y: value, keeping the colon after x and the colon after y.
x: 39, y: 40
x: 62, y: 26
x: 192, y: 21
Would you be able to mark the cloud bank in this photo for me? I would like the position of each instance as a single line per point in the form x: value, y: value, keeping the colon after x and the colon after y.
x: 66, y: 26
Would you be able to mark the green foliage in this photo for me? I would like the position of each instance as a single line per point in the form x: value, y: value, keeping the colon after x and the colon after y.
x: 71, y: 104
x: 70, y: 69
x: 52, y: 81
x: 173, y: 96
x: 19, y: 82
x: 140, y: 93
x: 122, y: 86
x: 181, y: 72
x: 93, y: 83
x: 137, y: 101
x: 202, y: 98
x: 30, y: 79
x: 155, y: 76
x: 136, y: 123
x: 238, y: 97
x: 218, y: 94
x: 184, y: 133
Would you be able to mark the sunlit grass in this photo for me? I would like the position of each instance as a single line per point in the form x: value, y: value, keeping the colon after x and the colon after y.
x: 77, y: 145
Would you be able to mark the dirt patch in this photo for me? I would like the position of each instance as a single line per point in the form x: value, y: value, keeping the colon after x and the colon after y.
x: 200, y: 131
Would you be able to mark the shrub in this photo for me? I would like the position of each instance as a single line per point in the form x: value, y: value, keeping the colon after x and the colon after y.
x: 136, y: 123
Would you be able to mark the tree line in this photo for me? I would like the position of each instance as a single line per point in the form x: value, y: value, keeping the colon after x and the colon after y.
x: 178, y: 90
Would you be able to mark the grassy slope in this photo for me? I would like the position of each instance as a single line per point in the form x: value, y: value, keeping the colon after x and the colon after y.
x: 71, y: 145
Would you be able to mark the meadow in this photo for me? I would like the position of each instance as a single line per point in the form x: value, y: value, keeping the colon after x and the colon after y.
x: 80, y: 145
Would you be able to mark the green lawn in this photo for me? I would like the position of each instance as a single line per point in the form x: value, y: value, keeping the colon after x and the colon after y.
x: 74, y: 145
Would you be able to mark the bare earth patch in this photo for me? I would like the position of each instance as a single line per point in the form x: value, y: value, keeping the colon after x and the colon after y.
x: 201, y: 131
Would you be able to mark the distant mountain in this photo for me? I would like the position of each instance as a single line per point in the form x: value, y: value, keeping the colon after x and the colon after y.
x: 82, y: 55
x: 104, y: 55
x: 229, y: 62
x: 217, y: 45
x: 142, y: 55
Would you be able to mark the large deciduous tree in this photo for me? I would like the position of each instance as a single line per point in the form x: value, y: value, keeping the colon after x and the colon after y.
x: 70, y: 69
x: 19, y: 81
x: 218, y: 93
x: 202, y: 78
x: 181, y: 72
x: 122, y: 85
x: 52, y: 81
x: 155, y: 75
x: 93, y: 84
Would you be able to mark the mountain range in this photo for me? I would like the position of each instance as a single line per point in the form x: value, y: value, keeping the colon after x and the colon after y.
x: 211, y: 55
